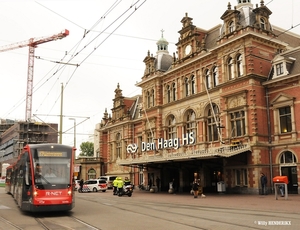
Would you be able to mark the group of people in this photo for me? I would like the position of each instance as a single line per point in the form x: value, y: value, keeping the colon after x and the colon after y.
x: 157, y: 183
x: 118, y: 184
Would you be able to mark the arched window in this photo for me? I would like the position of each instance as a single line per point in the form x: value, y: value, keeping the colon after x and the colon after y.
x: 287, y: 157
x: 215, y: 76
x: 91, y: 173
x: 187, y: 86
x: 171, y: 123
x: 190, y: 120
x: 212, y: 123
x: 207, y: 79
x: 193, y: 85
x: 174, y: 91
x: 118, y: 145
x: 239, y: 61
x: 168, y: 94
x: 230, y: 69
x: 262, y: 23
x: 231, y: 27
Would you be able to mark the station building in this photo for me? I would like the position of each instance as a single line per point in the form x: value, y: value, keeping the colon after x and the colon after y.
x: 223, y: 108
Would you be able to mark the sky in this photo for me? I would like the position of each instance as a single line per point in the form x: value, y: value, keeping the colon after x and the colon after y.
x: 107, y: 44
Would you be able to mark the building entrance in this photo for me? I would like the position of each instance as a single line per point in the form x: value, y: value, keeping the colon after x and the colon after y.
x: 291, y: 173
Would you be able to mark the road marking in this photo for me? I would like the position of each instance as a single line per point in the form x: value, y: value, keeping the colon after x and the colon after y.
x: 4, y: 207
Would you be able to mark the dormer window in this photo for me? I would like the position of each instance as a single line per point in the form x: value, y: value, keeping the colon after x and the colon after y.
x: 231, y: 27
x: 279, y: 69
x: 262, y: 24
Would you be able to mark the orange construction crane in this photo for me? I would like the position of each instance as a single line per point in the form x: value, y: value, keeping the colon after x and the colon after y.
x: 32, y: 43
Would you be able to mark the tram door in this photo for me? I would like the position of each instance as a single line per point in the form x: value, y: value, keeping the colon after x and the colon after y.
x: 291, y: 173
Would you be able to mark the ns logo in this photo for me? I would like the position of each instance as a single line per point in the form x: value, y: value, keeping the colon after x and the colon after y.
x: 132, y: 148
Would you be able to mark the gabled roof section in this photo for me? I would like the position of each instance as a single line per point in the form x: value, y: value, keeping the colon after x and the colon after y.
x: 282, y: 98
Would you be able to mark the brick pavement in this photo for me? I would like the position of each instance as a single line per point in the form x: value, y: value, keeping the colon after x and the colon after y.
x: 240, y: 201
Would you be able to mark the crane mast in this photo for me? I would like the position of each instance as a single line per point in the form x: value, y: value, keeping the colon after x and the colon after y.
x: 32, y: 43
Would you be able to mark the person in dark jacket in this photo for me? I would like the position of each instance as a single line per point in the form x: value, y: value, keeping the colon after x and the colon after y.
x: 81, y: 185
x: 263, y: 181
x: 195, y: 188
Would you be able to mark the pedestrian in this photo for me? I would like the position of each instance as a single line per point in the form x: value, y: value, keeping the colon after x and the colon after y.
x: 174, y: 185
x: 195, y: 188
x: 157, y: 183
x: 263, y: 181
x: 150, y: 184
x: 81, y: 185
x: 281, y: 189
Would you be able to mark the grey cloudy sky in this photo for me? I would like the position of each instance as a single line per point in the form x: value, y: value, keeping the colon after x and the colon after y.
x: 118, y: 39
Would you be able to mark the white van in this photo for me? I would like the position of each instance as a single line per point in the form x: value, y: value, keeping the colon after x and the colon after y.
x: 109, y: 180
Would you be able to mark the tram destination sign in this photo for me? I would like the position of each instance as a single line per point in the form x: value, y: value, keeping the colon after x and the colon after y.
x: 161, y: 143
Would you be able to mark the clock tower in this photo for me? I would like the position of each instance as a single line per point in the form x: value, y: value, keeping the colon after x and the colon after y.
x: 190, y: 41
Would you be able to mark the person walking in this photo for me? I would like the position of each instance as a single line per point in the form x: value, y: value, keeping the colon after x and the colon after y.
x: 81, y: 185
x: 158, y: 183
x: 195, y: 188
x: 150, y: 184
x: 263, y: 181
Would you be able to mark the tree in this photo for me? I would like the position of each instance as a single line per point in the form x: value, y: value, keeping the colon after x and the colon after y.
x: 87, y: 149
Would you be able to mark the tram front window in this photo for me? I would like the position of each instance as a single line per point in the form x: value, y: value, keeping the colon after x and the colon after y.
x: 54, y: 172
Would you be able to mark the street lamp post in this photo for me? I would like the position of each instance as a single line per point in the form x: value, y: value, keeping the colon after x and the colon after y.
x: 74, y: 131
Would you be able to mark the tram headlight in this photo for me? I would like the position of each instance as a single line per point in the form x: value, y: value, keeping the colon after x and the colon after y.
x: 35, y: 193
x: 70, y: 193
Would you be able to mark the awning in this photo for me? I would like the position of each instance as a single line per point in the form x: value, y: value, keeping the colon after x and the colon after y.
x: 190, y: 154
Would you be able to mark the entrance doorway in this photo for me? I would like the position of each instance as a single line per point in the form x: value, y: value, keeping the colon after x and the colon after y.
x: 291, y: 173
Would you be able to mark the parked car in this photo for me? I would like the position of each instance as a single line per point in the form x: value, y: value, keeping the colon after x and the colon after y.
x: 95, y: 185
x: 109, y: 180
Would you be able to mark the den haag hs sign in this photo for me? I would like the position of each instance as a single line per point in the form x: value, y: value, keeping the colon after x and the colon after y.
x: 161, y: 143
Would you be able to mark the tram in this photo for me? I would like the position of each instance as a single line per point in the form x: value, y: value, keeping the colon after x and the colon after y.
x: 41, y: 180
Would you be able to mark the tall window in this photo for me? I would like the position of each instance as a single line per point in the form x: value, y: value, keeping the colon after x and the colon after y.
x: 148, y: 100
x: 212, y: 123
x: 171, y: 122
x: 152, y: 97
x: 190, y: 122
x: 237, y: 120
x: 193, y: 85
x: 215, y: 76
x: 279, y: 69
x: 239, y: 61
x: 262, y: 24
x: 241, y: 177
x: 118, y: 145
x: 187, y: 86
x: 285, y: 117
x: 168, y: 94
x: 230, y: 69
x: 149, y: 137
x: 207, y: 79
x: 174, y: 91
x: 231, y: 27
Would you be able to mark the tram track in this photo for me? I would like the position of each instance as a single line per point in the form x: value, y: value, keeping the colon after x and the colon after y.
x: 213, y: 215
x: 63, y: 223
x: 50, y: 223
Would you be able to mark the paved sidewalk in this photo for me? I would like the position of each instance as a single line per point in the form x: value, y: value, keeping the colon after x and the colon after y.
x: 240, y: 201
